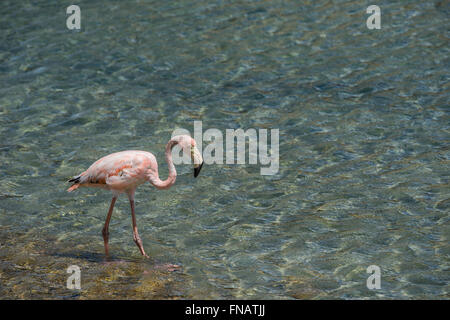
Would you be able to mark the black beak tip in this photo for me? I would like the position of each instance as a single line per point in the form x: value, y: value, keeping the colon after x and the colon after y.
x: 197, y: 170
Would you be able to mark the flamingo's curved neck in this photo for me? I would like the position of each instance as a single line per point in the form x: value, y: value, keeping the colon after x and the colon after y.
x: 157, y: 182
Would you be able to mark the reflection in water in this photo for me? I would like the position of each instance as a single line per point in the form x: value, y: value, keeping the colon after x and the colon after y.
x: 363, y: 175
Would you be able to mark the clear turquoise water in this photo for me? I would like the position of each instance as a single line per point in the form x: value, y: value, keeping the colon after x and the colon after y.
x: 364, y: 148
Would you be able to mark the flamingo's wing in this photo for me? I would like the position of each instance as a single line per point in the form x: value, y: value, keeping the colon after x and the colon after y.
x: 123, y: 177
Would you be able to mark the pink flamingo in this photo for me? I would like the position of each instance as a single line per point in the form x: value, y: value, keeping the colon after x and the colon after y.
x: 123, y: 172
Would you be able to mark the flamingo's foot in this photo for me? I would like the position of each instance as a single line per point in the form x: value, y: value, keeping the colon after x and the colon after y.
x: 169, y: 267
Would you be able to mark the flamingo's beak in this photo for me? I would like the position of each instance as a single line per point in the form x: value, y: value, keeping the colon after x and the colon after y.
x: 197, y: 170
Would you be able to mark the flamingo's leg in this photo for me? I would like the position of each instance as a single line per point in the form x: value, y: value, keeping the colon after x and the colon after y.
x: 105, y: 231
x: 136, y: 237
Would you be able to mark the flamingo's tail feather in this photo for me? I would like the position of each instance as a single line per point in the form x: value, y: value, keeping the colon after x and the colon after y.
x: 76, y: 183
x: 75, y: 179
x: 73, y: 187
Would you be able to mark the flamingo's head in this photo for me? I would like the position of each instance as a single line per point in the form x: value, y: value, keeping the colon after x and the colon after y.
x: 189, y: 146
x: 196, y: 157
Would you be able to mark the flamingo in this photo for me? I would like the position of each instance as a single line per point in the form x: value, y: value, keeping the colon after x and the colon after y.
x: 123, y: 172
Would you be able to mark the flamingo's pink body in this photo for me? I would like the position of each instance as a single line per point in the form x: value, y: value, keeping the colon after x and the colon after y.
x: 123, y: 172
x: 119, y: 172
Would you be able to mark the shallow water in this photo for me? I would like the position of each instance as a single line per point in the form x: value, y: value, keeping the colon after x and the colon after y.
x: 364, y: 148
